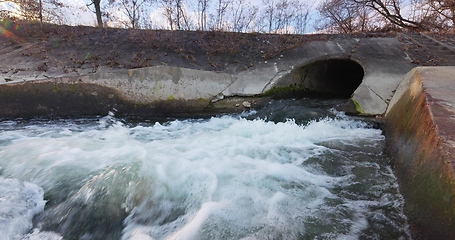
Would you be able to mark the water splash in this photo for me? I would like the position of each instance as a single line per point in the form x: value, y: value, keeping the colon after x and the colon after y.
x: 19, y: 202
x: 219, y: 178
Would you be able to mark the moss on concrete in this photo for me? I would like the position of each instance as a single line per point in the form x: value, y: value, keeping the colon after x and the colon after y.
x: 291, y: 91
x: 357, y: 106
x: 66, y: 98
x: 56, y: 88
x: 170, y: 97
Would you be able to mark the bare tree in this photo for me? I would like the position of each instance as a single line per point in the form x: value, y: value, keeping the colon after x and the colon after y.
x: 284, y: 16
x: 178, y: 12
x: 301, y: 18
x: 340, y: 15
x: 443, y: 12
x: 242, y: 15
x: 285, y: 12
x: 358, y: 15
x: 222, y: 6
x: 41, y: 13
x: 168, y: 12
x: 97, y: 5
x: 28, y: 9
x: 133, y: 10
x: 35, y: 10
x: 203, y: 6
x: 391, y: 10
x: 50, y: 11
x: 183, y: 21
x: 175, y: 14
x: 269, y: 13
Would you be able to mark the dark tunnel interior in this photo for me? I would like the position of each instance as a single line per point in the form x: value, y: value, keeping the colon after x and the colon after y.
x: 331, y: 78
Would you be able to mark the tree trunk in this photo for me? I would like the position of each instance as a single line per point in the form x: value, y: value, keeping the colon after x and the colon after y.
x: 452, y: 11
x: 41, y: 13
x: 98, y: 12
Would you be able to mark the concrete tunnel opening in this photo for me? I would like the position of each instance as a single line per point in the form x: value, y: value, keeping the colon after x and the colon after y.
x: 332, y: 78
x: 327, y: 78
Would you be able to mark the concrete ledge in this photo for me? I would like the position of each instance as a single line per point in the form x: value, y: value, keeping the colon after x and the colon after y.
x: 420, y: 136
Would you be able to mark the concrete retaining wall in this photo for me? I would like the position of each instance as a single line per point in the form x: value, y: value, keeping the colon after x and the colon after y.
x: 71, y: 98
x: 420, y: 136
x: 148, y: 89
x: 154, y: 91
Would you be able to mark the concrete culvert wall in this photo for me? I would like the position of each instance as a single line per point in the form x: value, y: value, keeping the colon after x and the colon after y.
x: 328, y: 78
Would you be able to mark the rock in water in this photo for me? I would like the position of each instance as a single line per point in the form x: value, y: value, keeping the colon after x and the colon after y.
x: 246, y: 104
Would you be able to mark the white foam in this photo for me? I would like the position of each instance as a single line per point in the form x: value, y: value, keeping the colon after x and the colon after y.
x: 242, y: 164
x: 225, y: 177
x: 19, y: 202
x: 38, y: 235
x: 194, y: 225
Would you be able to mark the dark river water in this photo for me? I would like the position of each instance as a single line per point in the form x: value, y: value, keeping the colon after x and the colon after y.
x: 296, y: 169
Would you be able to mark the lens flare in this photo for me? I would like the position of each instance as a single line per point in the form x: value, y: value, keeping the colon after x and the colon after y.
x: 7, y: 33
x: 7, y: 24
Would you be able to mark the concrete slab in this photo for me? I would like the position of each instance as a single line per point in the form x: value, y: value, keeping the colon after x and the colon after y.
x: 250, y: 83
x: 164, y: 83
x: 420, y: 136
x: 385, y: 64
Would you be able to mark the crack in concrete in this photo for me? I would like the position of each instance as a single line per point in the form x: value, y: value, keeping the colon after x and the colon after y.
x: 276, y: 77
x: 379, y: 96
x: 220, y: 95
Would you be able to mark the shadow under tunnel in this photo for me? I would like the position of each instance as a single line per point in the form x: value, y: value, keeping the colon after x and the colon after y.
x: 328, y: 78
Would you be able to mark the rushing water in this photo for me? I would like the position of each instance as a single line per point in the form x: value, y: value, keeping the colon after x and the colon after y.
x: 294, y: 170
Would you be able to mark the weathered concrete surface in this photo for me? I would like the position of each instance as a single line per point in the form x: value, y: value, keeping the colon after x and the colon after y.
x: 382, y: 59
x: 385, y: 64
x: 155, y: 91
x: 145, y: 85
x: 420, y: 136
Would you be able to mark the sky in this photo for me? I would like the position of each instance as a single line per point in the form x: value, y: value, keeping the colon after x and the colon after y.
x: 76, y: 12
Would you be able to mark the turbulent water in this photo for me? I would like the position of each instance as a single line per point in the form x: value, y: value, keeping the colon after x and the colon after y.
x: 294, y: 170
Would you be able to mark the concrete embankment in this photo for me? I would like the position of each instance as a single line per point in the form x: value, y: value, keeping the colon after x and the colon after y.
x: 420, y: 137
x: 366, y: 70
x: 147, y: 92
